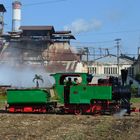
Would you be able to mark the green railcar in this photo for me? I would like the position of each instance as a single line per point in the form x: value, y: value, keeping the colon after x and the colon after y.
x: 27, y: 96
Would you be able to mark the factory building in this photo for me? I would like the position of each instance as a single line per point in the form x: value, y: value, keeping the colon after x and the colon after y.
x: 41, y: 45
x: 38, y: 45
x: 108, y: 66
x: 136, y: 66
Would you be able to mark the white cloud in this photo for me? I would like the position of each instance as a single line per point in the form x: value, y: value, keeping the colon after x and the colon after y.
x: 81, y: 25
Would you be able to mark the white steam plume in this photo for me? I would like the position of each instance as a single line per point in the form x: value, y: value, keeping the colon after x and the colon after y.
x: 23, y: 77
x: 121, y: 113
x: 81, y: 25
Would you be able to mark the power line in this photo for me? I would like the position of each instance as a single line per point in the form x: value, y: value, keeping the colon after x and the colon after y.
x: 115, y: 32
x: 39, y: 3
x: 90, y: 42
x: 65, y: 53
x: 44, y: 2
x: 51, y: 52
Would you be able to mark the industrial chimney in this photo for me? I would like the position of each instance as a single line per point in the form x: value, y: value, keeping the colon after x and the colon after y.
x: 16, y: 19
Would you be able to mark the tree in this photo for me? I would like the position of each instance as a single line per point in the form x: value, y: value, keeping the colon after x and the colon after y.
x: 38, y: 78
x: 137, y: 77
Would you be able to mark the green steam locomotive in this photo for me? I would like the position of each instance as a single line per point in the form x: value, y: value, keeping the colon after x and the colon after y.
x: 73, y: 93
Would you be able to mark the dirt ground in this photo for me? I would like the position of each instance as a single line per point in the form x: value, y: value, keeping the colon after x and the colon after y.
x: 69, y: 127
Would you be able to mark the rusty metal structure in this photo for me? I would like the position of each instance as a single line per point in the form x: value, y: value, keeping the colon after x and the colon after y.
x: 2, y: 11
x: 40, y: 45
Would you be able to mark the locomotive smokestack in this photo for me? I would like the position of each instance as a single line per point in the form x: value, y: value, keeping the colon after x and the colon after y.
x: 124, y: 74
x: 16, y: 19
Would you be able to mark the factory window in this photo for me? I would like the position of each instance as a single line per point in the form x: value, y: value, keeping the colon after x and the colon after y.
x: 115, y: 71
x: 110, y: 70
x: 89, y: 69
x: 92, y: 70
x: 105, y: 70
x: 130, y: 71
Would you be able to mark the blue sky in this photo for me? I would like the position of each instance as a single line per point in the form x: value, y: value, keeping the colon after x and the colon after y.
x: 95, y: 23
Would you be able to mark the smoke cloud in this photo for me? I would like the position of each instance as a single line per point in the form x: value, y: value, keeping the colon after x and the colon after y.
x: 121, y: 113
x: 81, y: 25
x: 17, y: 74
x: 23, y: 77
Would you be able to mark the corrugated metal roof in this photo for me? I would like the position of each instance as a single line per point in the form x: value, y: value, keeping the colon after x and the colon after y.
x: 112, y: 59
x: 50, y: 28
x: 62, y: 32
x: 60, y: 52
x: 67, y: 66
x: 65, y: 36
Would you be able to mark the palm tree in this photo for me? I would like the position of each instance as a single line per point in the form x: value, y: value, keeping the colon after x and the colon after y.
x: 38, y: 78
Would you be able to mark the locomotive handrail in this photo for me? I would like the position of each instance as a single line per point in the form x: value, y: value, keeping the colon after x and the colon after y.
x: 99, y: 84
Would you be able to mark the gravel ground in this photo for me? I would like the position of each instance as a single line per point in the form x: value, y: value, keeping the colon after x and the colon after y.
x: 68, y: 127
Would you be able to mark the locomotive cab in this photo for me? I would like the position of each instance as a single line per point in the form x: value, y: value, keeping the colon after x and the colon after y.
x: 61, y: 80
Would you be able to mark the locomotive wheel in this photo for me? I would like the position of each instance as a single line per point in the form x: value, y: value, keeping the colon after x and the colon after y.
x: 78, y: 111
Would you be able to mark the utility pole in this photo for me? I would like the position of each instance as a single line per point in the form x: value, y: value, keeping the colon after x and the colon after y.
x: 138, y: 51
x: 94, y: 54
x: 87, y: 53
x: 100, y: 52
x: 118, y: 53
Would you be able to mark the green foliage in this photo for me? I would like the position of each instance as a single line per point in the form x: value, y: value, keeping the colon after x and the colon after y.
x: 135, y: 100
x: 134, y: 91
x: 137, y: 77
x: 2, y: 92
x: 38, y: 78
x: 3, y: 97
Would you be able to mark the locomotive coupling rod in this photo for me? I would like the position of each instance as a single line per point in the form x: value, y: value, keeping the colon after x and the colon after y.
x: 135, y: 110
